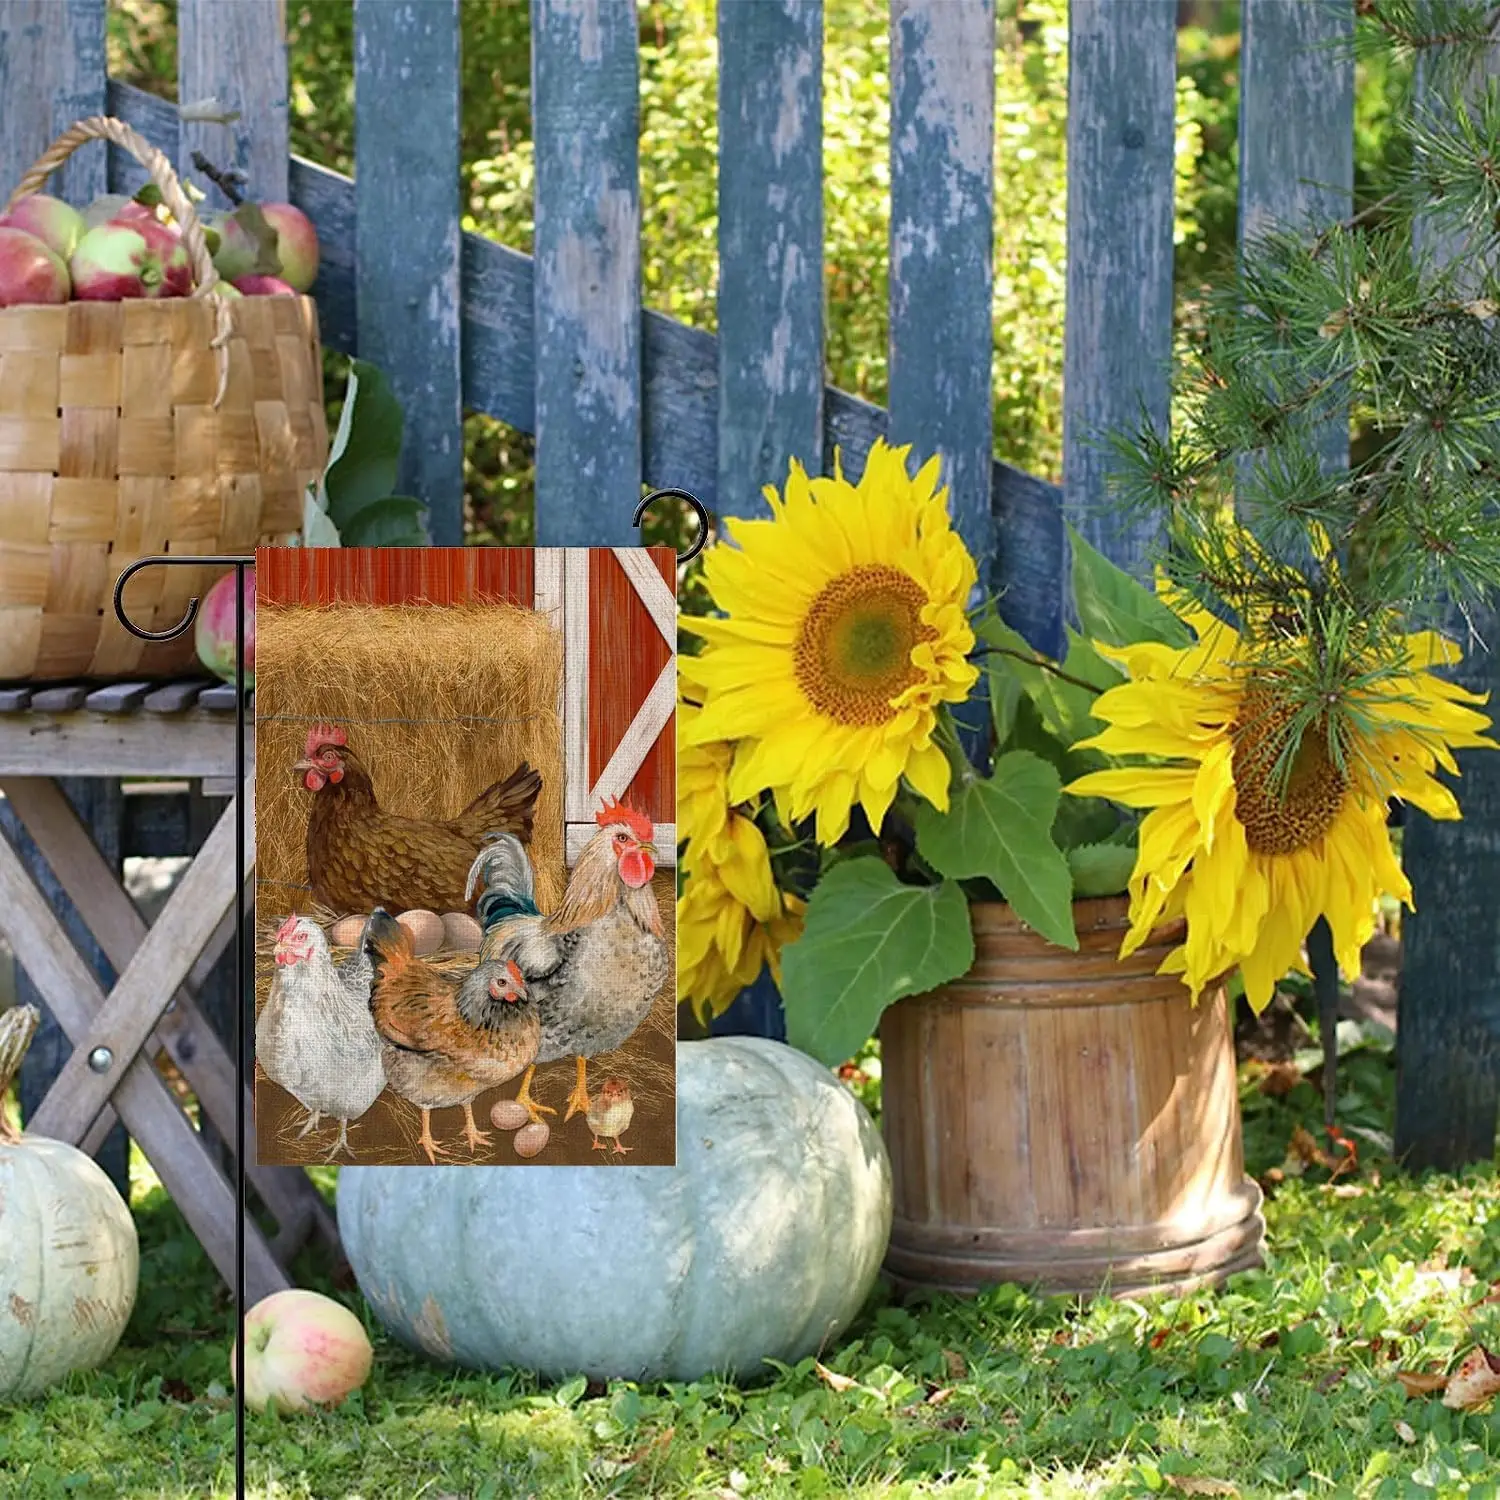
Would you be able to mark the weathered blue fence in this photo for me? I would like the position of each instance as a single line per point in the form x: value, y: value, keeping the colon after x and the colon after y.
x: 616, y: 395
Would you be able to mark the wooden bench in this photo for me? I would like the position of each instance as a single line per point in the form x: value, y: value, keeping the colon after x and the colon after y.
x: 182, y: 730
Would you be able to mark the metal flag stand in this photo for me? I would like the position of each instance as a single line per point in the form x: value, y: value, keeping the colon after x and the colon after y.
x: 239, y: 563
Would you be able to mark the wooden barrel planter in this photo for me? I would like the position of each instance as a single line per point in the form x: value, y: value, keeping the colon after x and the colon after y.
x: 1065, y: 1120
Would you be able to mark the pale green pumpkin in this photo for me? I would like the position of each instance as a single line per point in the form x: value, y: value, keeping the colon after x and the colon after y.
x: 762, y: 1242
x: 69, y: 1257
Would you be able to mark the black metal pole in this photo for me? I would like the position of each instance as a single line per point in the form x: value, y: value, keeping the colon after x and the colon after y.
x: 239, y: 564
x: 1325, y: 972
x: 239, y: 1029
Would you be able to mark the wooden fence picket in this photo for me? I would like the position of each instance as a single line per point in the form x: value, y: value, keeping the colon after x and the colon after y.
x: 586, y: 121
x: 235, y: 54
x: 942, y: 248
x: 407, y: 241
x: 1448, y: 1041
x: 770, y: 247
x: 1118, y: 333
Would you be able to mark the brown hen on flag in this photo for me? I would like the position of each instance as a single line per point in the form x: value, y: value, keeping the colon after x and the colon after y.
x: 359, y: 856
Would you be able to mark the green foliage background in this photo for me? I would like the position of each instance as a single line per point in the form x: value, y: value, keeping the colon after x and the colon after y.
x: 678, y: 181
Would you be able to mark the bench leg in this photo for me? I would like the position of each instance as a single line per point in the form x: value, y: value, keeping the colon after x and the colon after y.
x: 99, y: 802
x: 140, y: 1097
x: 183, y: 1031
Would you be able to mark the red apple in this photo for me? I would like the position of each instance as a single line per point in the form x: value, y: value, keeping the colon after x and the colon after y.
x: 116, y: 208
x: 296, y: 244
x: 236, y: 255
x: 264, y: 286
x: 136, y: 259
x: 214, y: 631
x: 29, y: 271
x: 58, y: 225
x: 302, y: 1348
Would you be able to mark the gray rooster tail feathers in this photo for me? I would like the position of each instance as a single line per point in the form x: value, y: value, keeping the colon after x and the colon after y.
x: 504, y: 871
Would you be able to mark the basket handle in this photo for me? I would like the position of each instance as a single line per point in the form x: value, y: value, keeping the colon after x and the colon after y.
x: 103, y: 128
x: 206, y: 281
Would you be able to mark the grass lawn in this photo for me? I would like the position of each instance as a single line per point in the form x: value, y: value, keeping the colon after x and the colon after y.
x: 1284, y: 1384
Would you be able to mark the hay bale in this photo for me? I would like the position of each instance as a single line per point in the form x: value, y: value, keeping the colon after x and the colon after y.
x: 439, y: 701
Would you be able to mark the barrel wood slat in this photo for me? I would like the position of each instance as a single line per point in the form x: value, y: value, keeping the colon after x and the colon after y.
x: 181, y: 1031
x: 1065, y: 1119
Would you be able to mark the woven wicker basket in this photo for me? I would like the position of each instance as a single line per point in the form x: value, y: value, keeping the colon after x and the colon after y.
x: 134, y: 428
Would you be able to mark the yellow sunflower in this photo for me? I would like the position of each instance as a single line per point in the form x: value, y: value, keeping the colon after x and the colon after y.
x: 731, y: 918
x: 702, y: 785
x: 844, y: 630
x: 1250, y: 853
x: 722, y: 945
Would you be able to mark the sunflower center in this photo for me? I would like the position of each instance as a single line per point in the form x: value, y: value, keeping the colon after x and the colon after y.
x: 1281, y: 810
x: 853, y: 653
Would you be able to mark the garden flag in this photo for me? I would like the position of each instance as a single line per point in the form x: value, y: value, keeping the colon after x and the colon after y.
x: 464, y: 792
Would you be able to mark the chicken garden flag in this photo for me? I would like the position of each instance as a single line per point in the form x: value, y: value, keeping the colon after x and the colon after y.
x: 464, y: 794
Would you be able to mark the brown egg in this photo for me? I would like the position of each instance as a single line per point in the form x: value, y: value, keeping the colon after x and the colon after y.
x: 531, y: 1138
x: 506, y: 1114
x: 345, y: 933
x: 426, y: 929
x: 461, y: 933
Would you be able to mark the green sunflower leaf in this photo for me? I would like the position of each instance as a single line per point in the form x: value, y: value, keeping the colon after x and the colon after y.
x: 1084, y: 820
x: 1063, y: 694
x: 998, y: 827
x: 868, y: 941
x: 1101, y: 869
x: 1113, y: 607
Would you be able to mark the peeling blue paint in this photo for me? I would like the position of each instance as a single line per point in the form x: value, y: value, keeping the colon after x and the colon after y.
x: 587, y: 290
x: 406, y: 237
x: 942, y: 248
x: 770, y: 406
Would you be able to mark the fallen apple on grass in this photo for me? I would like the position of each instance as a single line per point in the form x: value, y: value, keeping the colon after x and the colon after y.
x: 29, y: 272
x: 302, y: 1349
x: 118, y: 261
x: 58, y: 225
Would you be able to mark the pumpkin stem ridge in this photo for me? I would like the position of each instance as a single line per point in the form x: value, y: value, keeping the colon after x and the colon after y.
x: 17, y: 1027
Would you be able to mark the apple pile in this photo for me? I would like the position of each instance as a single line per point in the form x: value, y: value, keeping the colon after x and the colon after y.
x: 122, y: 247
